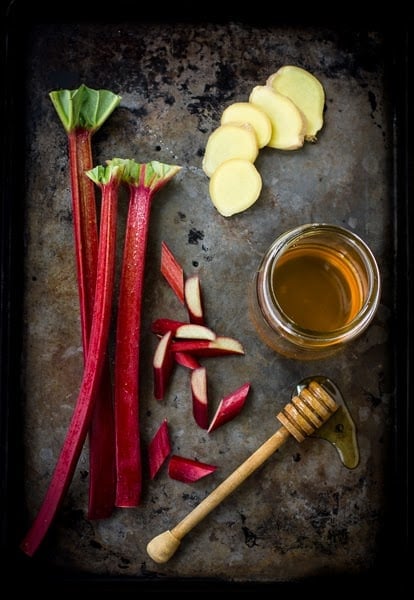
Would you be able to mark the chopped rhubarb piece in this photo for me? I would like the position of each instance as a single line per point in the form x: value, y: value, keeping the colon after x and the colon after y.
x: 188, y: 470
x: 194, y: 331
x: 162, y: 365
x: 219, y: 347
x: 186, y: 360
x: 193, y: 299
x: 161, y: 326
x: 229, y: 407
x: 159, y: 448
x: 172, y: 271
x: 200, y: 396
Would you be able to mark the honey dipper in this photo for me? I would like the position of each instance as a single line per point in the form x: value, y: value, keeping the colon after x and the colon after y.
x: 304, y: 414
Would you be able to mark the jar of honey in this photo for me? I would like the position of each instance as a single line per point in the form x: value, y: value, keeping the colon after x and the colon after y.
x: 317, y: 288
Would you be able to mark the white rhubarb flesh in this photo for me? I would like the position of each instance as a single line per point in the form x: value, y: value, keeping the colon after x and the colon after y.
x: 200, y: 396
x: 193, y: 299
x: 162, y: 365
x: 194, y: 332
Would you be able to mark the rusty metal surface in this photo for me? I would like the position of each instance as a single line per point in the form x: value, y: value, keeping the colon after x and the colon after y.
x: 302, y: 514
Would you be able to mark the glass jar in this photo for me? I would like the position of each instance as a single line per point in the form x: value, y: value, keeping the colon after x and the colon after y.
x: 317, y: 288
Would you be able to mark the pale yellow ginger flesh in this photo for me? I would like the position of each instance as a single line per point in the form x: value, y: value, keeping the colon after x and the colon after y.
x: 245, y: 112
x: 235, y: 186
x: 288, y: 122
x: 306, y: 91
x: 231, y: 140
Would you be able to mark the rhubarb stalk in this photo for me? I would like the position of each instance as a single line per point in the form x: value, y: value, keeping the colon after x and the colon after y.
x: 82, y: 112
x: 143, y: 181
x: 108, y: 178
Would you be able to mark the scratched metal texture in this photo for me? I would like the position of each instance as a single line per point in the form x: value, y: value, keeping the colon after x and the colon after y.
x: 302, y: 514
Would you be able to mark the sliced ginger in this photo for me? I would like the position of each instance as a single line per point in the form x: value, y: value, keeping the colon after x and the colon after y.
x: 288, y: 123
x: 282, y: 114
x: 306, y: 91
x: 245, y: 112
x: 235, y: 186
x: 230, y: 140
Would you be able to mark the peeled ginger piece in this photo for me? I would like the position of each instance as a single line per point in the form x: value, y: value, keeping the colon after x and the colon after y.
x: 306, y: 91
x: 235, y: 186
x: 288, y: 123
x: 231, y: 140
x: 245, y: 112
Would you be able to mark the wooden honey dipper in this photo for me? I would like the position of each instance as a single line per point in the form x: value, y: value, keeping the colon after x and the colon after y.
x: 306, y: 412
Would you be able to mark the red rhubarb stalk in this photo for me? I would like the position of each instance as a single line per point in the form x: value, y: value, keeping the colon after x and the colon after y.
x: 108, y: 178
x: 82, y: 112
x: 143, y: 180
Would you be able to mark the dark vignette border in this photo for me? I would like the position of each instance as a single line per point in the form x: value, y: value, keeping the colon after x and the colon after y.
x: 395, y: 547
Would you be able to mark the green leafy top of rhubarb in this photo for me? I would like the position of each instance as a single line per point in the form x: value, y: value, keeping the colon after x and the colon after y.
x: 84, y: 107
x: 151, y: 175
x: 105, y: 174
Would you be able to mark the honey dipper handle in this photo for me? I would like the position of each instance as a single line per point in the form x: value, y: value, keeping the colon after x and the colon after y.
x: 163, y: 546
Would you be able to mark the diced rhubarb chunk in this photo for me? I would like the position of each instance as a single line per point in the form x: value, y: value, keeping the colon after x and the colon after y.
x: 200, y: 396
x: 163, y: 362
x: 193, y: 331
x: 186, y: 360
x: 159, y: 449
x: 188, y: 470
x: 193, y: 299
x: 229, y: 407
x: 220, y: 346
x: 161, y: 326
x: 172, y: 271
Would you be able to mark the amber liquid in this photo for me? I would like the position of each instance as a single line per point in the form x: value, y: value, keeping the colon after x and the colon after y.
x: 317, y: 288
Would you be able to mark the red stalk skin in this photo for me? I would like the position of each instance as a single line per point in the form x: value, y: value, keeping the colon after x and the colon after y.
x: 127, y: 354
x: 172, y: 271
x: 90, y: 385
x: 162, y: 325
x: 162, y: 372
x: 188, y: 470
x: 200, y: 396
x: 201, y: 348
x: 229, y: 407
x: 185, y: 359
x: 159, y: 448
x: 85, y: 224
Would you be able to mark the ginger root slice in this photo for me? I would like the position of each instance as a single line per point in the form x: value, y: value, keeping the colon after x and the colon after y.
x: 235, y: 186
x: 288, y: 122
x: 306, y: 91
x: 245, y: 112
x: 231, y: 140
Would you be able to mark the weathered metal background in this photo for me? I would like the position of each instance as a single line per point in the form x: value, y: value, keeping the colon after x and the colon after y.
x: 303, y: 514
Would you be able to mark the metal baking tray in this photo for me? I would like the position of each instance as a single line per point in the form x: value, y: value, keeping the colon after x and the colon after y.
x: 303, y: 518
